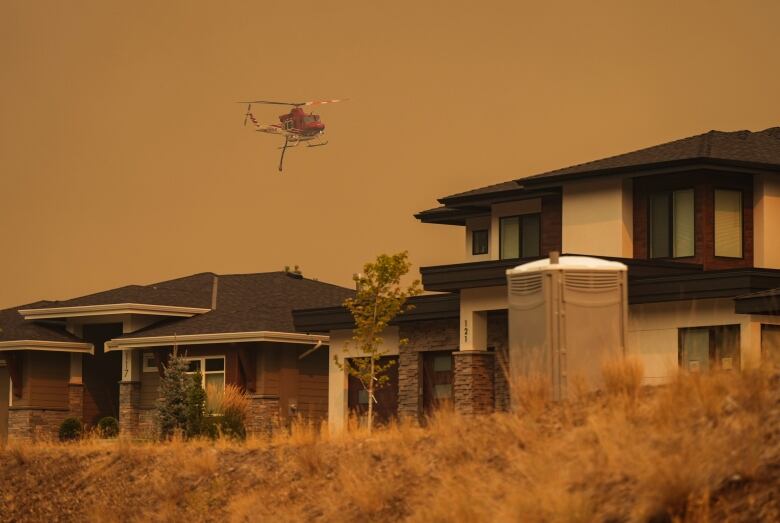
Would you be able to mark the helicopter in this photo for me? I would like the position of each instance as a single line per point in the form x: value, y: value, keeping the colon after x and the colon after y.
x: 296, y: 126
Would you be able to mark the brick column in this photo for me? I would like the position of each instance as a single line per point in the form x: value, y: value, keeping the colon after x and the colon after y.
x: 263, y: 418
x: 129, y: 408
x: 473, y: 382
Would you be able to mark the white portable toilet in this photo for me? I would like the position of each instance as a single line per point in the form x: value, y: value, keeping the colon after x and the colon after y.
x: 567, y: 316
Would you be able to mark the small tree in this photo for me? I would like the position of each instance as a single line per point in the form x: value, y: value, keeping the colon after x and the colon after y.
x: 182, y: 400
x: 379, y: 298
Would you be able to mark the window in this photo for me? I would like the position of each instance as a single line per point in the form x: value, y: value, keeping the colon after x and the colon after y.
x: 671, y: 229
x: 479, y: 242
x: 770, y: 345
x: 212, y: 370
x: 728, y: 223
x: 149, y: 362
x: 703, y: 349
x: 520, y: 236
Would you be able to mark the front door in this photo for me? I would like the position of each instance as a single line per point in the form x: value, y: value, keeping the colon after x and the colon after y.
x: 437, y: 380
x: 386, y: 406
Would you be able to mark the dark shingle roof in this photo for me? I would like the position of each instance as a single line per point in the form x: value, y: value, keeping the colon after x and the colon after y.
x: 253, y: 302
x: 761, y: 147
x: 737, y: 147
x: 189, y: 291
x: 13, y: 327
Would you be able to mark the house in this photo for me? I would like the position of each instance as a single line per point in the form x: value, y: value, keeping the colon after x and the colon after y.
x: 103, y: 354
x: 695, y: 220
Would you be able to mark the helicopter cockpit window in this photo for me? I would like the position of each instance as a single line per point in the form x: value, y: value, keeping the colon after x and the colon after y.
x: 288, y: 124
x: 311, y: 118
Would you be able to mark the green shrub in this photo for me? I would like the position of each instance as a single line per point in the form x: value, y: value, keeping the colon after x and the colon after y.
x: 71, y: 429
x: 108, y: 427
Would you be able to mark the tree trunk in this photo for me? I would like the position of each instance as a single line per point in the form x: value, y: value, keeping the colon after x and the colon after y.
x: 371, y: 398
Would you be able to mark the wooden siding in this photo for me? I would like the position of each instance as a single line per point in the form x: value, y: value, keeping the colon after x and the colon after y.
x: 552, y: 225
x: 150, y: 381
x: 704, y: 185
x: 45, y: 377
x: 313, y: 385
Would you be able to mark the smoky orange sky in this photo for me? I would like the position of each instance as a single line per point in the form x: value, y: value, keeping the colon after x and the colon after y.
x: 123, y: 158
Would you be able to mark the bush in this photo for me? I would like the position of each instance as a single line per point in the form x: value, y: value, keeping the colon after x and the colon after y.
x: 229, y: 413
x: 108, y: 427
x: 71, y: 429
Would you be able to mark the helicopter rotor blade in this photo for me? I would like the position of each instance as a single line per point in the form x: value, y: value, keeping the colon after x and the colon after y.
x: 294, y: 104
x: 323, y: 102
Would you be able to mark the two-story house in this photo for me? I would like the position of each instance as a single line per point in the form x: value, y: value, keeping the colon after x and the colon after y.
x: 696, y: 220
x: 104, y: 354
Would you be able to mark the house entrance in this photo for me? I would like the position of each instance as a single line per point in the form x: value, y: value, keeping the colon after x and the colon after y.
x: 437, y: 380
x: 102, y: 373
x: 386, y: 407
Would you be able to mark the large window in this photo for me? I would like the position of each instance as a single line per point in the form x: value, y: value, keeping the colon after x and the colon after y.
x: 703, y: 349
x: 479, y: 242
x: 671, y: 224
x: 728, y: 223
x: 520, y: 236
x: 212, y: 371
x: 770, y: 345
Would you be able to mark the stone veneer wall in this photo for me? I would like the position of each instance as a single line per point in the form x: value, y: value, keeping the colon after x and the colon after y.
x: 129, y: 409
x: 423, y: 336
x: 473, y: 391
x: 498, y: 339
x: 263, y: 419
x: 76, y: 400
x: 34, y: 424
x: 31, y: 424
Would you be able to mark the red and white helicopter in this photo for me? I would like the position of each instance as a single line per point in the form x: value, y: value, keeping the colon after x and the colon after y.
x: 296, y: 126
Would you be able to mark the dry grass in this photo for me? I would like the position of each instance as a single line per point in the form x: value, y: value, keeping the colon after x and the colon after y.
x: 701, y: 448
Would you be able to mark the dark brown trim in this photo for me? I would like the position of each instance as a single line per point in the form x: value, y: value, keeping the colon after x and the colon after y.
x: 451, y: 278
x: 726, y: 283
x: 427, y: 307
x: 767, y: 302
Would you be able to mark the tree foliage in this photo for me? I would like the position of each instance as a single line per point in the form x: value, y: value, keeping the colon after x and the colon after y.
x: 181, y: 405
x: 379, y: 298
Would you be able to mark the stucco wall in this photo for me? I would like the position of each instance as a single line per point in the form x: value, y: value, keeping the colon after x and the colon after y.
x: 653, y: 332
x: 337, y: 378
x: 598, y: 217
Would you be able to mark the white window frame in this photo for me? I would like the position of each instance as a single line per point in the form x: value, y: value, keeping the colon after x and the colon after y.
x: 145, y: 357
x: 203, y: 372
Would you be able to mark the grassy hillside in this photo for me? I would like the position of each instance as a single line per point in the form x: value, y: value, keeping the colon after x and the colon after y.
x: 699, y: 449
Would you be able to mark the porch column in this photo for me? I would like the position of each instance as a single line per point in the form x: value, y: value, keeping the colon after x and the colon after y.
x: 474, y: 376
x: 76, y: 387
x: 130, y: 394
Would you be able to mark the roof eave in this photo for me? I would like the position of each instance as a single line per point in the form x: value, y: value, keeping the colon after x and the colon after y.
x: 49, y: 346
x: 217, y: 337
x: 111, y: 309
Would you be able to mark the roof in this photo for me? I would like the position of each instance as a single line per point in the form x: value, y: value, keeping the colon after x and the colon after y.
x: 761, y: 147
x: 13, y: 327
x: 252, y: 303
x: 737, y: 148
x: 188, y: 291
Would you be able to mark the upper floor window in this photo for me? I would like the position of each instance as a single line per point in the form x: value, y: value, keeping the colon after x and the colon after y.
x: 479, y: 242
x: 671, y: 229
x: 520, y: 236
x: 728, y: 223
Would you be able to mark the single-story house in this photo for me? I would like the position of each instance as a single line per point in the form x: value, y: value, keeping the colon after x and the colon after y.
x: 103, y: 354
